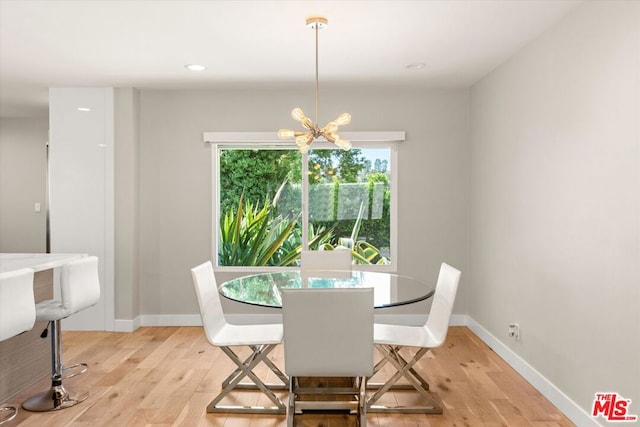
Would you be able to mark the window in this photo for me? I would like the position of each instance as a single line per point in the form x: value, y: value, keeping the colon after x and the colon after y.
x: 265, y: 213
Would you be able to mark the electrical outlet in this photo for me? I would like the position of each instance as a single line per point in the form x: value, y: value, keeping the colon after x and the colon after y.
x: 514, y: 331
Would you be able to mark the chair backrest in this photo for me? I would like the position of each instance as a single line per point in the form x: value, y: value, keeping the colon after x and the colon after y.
x: 206, y: 288
x: 328, y: 332
x: 445, y: 295
x: 339, y: 259
x: 17, y: 304
x: 79, y: 284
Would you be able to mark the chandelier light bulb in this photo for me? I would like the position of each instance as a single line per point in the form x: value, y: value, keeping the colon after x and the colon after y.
x: 298, y: 115
x: 306, y: 122
x: 330, y: 127
x: 343, y: 119
x: 343, y: 143
x: 286, y: 134
x: 304, y: 140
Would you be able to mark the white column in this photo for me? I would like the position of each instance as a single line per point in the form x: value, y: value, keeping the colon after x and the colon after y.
x: 81, y: 176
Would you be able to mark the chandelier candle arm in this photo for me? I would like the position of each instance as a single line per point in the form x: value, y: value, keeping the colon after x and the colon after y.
x: 330, y: 130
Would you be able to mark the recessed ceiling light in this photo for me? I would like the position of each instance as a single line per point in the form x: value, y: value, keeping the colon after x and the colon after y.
x: 195, y: 67
x: 85, y: 109
x: 415, y: 66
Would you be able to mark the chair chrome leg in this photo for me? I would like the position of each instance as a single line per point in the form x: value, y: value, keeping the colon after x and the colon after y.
x: 404, y: 369
x: 291, y: 406
x: 12, y: 410
x: 246, y: 370
x: 378, y: 367
x: 362, y: 402
x: 356, y: 406
x: 284, y: 385
x: 57, y: 397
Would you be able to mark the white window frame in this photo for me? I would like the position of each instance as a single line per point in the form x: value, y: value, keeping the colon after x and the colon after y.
x: 270, y: 139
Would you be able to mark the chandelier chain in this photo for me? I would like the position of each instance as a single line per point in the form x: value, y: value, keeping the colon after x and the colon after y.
x: 317, y: 84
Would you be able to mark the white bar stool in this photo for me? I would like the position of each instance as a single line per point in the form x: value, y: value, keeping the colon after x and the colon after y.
x: 79, y: 289
x: 17, y: 315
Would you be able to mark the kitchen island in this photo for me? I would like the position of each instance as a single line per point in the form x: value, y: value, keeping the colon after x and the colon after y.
x: 26, y: 358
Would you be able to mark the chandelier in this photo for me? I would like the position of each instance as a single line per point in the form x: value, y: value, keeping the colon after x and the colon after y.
x: 330, y: 130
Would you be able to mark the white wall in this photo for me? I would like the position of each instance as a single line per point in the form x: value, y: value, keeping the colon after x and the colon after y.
x: 555, y: 202
x: 23, y: 180
x: 175, y: 174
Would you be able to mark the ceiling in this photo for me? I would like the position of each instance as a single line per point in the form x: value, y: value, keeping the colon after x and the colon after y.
x: 146, y: 43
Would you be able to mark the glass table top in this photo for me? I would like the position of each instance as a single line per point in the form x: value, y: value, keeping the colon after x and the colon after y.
x: 390, y: 290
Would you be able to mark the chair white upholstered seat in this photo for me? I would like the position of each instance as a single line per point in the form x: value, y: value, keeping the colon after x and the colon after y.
x: 229, y: 335
x: 261, y: 339
x: 404, y: 336
x: 328, y: 332
x: 79, y: 290
x: 17, y: 315
x: 390, y: 339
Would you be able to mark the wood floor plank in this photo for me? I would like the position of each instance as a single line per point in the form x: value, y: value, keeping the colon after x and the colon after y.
x: 166, y: 376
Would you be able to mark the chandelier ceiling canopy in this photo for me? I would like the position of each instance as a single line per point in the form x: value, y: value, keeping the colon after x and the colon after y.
x: 330, y: 130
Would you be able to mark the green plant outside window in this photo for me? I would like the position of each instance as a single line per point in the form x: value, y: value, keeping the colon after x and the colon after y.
x: 260, y: 202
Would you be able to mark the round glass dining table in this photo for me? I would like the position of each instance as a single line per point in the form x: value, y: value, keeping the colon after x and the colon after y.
x: 264, y: 289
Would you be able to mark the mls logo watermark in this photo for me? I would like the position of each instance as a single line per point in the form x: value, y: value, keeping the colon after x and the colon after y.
x: 613, y: 407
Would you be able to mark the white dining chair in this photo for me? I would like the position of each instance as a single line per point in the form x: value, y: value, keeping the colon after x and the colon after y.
x: 17, y: 315
x: 79, y: 290
x: 328, y: 332
x: 338, y: 259
x: 261, y: 339
x: 390, y: 339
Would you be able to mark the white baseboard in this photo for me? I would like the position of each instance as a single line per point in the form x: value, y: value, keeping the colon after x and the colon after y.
x: 459, y: 320
x: 121, y: 325
x: 157, y: 320
x: 568, y: 407
x: 560, y: 400
x: 171, y: 320
x: 417, y: 319
x: 238, y: 319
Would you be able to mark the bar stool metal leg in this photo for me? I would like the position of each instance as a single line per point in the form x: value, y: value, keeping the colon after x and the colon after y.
x: 12, y: 410
x: 57, y: 397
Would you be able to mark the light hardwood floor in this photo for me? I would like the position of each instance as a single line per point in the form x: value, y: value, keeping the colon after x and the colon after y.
x: 166, y: 376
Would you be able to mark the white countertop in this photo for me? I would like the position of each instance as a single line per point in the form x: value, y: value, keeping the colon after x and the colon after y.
x: 38, y: 262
